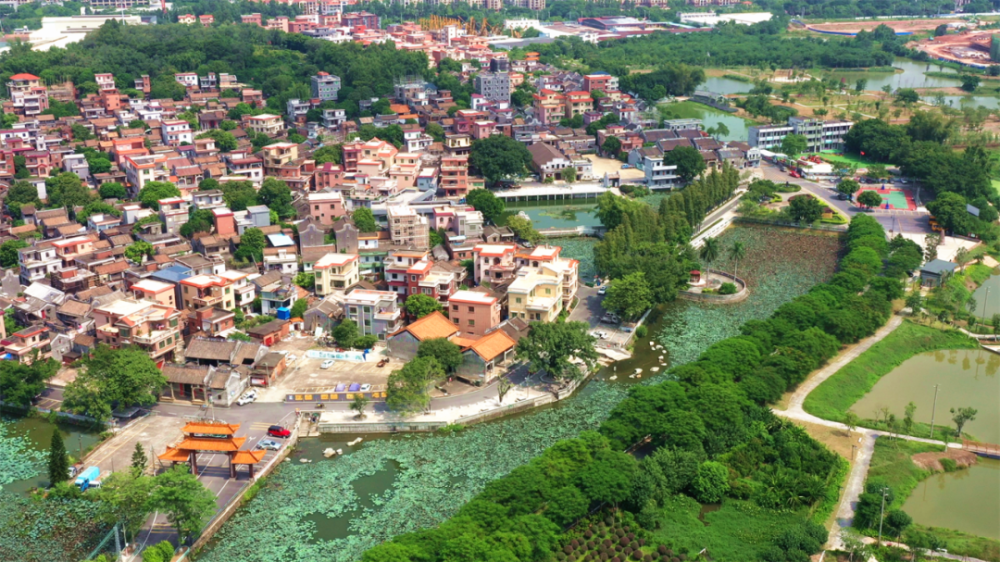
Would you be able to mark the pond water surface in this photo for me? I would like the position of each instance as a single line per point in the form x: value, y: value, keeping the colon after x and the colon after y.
x: 965, y: 500
x: 710, y: 118
x: 38, y: 432
x: 722, y: 85
x: 912, y: 76
x: 966, y: 378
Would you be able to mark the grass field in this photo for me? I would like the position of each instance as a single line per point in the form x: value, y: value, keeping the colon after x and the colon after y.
x: 837, y: 394
x: 891, y: 464
x: 848, y: 159
x: 964, y: 544
x: 733, y: 532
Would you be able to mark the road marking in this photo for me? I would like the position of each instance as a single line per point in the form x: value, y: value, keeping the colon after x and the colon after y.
x: 125, y: 437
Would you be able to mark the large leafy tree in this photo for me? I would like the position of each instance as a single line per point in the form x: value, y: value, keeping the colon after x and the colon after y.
x: 629, y: 296
x: 688, y: 160
x: 549, y: 347
x: 499, y: 157
x: 9, y: 254
x: 139, y: 250
x: 21, y: 193
x: 20, y: 382
x: 420, y: 305
x: 793, y: 145
x: 447, y: 354
x: 806, y: 208
x: 66, y: 190
x: 110, y: 378
x: 200, y: 221
x: 251, y: 246
x: 153, y: 191
x: 407, y: 389
x: 186, y: 501
x: 486, y: 203
x: 239, y: 195
x: 224, y: 140
x: 364, y: 220
x: 277, y: 196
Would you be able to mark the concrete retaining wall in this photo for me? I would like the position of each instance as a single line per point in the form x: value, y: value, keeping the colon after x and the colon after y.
x: 710, y: 298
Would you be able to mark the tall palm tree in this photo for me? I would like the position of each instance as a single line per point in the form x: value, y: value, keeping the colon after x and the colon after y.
x: 710, y: 250
x: 737, y: 251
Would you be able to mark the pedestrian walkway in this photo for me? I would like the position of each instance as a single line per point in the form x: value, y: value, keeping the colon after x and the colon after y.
x: 866, y: 437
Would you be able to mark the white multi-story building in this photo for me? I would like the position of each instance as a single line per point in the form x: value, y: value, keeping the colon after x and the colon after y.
x: 176, y: 132
x: 819, y: 134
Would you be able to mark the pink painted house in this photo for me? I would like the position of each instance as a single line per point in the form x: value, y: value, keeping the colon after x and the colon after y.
x: 474, y: 313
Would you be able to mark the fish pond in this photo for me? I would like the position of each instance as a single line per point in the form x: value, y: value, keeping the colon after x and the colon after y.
x: 966, y: 500
x: 558, y: 214
x: 966, y: 378
x: 911, y: 74
x: 335, y: 509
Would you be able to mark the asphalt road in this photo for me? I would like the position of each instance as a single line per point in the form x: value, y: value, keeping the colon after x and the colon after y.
x: 910, y: 222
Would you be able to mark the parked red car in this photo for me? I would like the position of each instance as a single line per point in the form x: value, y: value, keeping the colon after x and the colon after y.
x: 278, y: 431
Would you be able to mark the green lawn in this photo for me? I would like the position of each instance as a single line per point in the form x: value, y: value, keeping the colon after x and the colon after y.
x: 835, y: 396
x: 964, y: 544
x: 891, y: 464
x: 996, y: 185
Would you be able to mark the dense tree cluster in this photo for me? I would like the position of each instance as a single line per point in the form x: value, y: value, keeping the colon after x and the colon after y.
x: 640, y: 239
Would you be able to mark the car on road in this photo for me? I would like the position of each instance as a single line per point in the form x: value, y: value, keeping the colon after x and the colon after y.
x: 326, y: 364
x: 625, y: 166
x: 268, y: 445
x: 278, y: 431
x: 603, y: 289
x: 610, y: 318
x: 247, y: 398
x: 366, y: 387
x: 599, y: 334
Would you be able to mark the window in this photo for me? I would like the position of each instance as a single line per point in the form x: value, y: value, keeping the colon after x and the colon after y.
x: 517, y: 300
x: 548, y: 291
x: 162, y: 344
x: 472, y: 322
x: 455, y: 307
x: 228, y: 290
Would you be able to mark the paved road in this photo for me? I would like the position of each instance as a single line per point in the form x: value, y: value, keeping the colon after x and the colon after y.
x: 910, y: 222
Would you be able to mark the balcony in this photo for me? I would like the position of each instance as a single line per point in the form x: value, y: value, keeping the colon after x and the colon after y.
x: 153, y: 336
x: 388, y: 315
x: 207, y: 300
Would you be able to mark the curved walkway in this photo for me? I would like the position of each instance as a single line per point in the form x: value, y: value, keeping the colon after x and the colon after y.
x: 856, y: 479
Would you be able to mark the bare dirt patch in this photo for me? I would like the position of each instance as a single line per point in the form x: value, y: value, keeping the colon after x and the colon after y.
x: 896, y: 25
x: 837, y: 440
x: 932, y: 461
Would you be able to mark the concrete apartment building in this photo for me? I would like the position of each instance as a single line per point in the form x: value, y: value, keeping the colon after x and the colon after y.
x: 336, y: 272
x: 408, y: 227
x: 175, y: 132
x: 473, y: 312
x: 265, y: 123
x: 174, y: 212
x: 150, y: 326
x: 325, y: 86
x: 494, y: 262
x: 28, y: 94
x: 535, y: 295
x: 549, y: 260
x: 494, y: 86
x: 453, y: 178
x: 37, y: 262
x: 21, y: 345
x: 326, y: 207
x: 200, y: 291
x: 819, y: 134
x: 375, y: 312
x: 153, y: 290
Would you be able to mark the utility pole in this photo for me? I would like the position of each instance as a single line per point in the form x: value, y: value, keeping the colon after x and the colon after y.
x: 934, y: 409
x: 986, y: 300
x: 881, y: 517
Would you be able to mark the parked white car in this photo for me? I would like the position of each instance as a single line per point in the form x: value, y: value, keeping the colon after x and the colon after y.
x: 599, y: 334
x: 366, y: 387
x: 268, y: 445
x: 327, y: 364
x: 247, y: 398
x: 602, y: 290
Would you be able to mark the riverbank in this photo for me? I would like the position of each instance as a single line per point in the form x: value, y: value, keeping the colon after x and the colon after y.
x: 835, y: 396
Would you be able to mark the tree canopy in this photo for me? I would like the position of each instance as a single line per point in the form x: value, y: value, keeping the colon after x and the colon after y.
x: 499, y: 157
x: 111, y: 378
x: 549, y: 346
